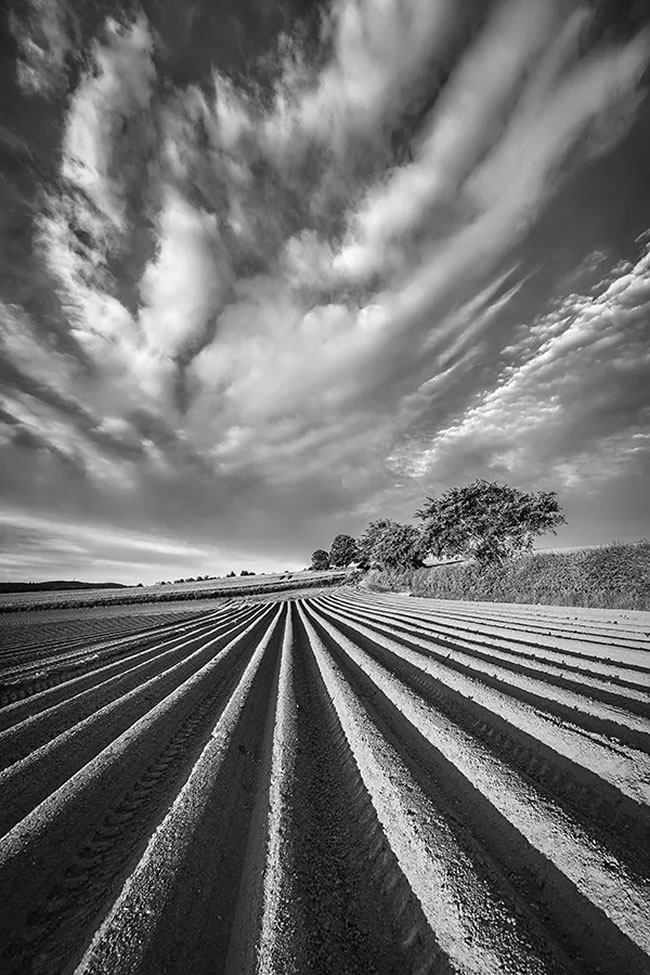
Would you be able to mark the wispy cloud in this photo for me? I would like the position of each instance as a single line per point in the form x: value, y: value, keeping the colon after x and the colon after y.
x: 36, y: 541
x: 571, y: 403
x: 44, y: 31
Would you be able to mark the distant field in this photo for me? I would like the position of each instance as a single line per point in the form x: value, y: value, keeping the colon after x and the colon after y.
x: 172, y: 592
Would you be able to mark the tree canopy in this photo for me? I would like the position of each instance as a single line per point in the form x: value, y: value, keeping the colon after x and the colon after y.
x: 343, y: 551
x: 366, y: 542
x: 320, y: 559
x: 390, y: 545
x: 487, y: 520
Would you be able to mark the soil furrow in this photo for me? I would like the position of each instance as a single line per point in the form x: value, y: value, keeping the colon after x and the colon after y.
x: 630, y: 628
x: 472, y: 918
x: 84, y: 650
x: 518, y: 637
x: 63, y: 830
x: 87, y: 697
x: 31, y: 779
x: 616, y: 822
x: 176, y: 909
x: 537, y: 851
x: 597, y: 684
x: 575, y: 708
x: 263, y: 925
x: 515, y: 644
x: 34, y: 642
x: 610, y: 782
x: 351, y: 908
x: 103, y: 816
x: 63, y: 671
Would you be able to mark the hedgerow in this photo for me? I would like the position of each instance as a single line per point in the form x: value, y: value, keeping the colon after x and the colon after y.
x: 615, y: 576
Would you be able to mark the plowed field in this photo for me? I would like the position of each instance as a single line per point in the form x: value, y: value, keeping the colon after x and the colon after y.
x: 344, y: 783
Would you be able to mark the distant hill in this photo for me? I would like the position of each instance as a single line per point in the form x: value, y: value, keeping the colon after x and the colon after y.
x: 56, y: 584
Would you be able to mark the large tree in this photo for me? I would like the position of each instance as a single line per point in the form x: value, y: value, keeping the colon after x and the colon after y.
x: 320, y: 559
x: 487, y: 520
x: 343, y: 551
x: 390, y: 545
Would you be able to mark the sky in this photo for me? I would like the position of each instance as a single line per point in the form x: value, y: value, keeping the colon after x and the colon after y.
x: 271, y: 270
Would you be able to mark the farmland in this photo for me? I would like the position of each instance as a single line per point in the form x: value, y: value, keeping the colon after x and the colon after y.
x: 340, y: 782
x: 202, y: 590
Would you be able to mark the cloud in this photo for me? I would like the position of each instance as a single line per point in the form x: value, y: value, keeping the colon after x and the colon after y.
x: 585, y: 102
x: 44, y: 34
x: 285, y: 299
x: 107, y: 105
x: 572, y: 403
x: 187, y: 282
x: 503, y: 102
x: 459, y: 128
x: 367, y: 78
x: 95, y: 224
x: 39, y: 544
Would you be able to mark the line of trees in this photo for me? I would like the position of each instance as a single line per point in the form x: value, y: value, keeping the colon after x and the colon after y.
x: 483, y: 520
x: 228, y: 575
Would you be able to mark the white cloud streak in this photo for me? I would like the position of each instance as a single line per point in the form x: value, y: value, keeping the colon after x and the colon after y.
x: 573, y: 404
x: 114, y: 95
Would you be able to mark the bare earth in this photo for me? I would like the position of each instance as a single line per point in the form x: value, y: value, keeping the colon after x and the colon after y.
x: 342, y: 782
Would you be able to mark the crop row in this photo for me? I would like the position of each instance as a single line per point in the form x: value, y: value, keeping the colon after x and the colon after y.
x: 347, y: 782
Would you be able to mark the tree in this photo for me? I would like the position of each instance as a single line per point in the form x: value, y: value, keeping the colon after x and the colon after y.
x: 366, y: 543
x: 487, y: 520
x: 343, y: 551
x: 389, y: 545
x: 399, y: 547
x: 320, y: 560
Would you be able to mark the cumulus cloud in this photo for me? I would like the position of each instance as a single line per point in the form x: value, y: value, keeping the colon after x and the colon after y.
x: 301, y: 293
x: 188, y: 279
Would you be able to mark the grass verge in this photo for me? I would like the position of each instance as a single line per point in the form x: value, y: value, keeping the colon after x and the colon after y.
x: 615, y: 576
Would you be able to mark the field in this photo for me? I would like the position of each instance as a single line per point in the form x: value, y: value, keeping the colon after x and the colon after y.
x: 208, y: 589
x: 342, y: 782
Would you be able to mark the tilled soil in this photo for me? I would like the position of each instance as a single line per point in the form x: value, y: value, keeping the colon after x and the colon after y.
x: 346, y: 782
